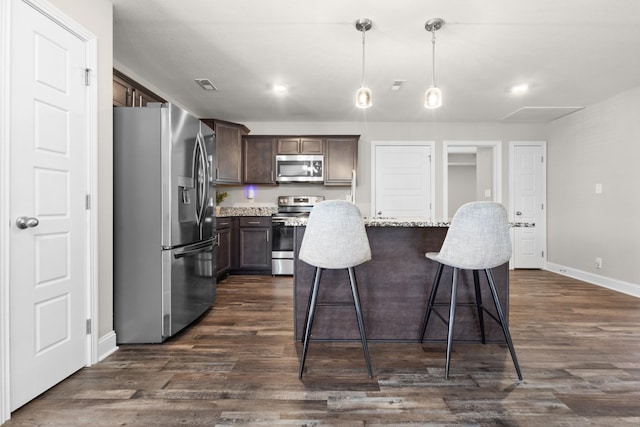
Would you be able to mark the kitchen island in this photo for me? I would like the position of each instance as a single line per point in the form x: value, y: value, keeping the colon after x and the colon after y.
x: 394, y: 288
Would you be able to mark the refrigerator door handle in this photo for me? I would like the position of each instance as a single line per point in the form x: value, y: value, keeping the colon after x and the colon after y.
x: 194, y: 248
x: 200, y: 178
x: 203, y: 182
x: 206, y: 176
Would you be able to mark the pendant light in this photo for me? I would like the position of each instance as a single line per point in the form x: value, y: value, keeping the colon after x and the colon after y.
x: 363, y: 95
x: 433, y: 95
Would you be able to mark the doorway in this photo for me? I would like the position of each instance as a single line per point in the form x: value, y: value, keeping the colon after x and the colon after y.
x: 472, y: 171
x: 48, y: 146
x: 527, y: 169
x: 402, y: 179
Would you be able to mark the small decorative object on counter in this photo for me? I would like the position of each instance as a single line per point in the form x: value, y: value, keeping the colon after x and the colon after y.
x: 220, y: 196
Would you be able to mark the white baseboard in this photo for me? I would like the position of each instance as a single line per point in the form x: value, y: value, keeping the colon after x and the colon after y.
x: 107, y: 345
x: 632, y: 289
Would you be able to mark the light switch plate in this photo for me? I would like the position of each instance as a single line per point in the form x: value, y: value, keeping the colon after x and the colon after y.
x: 598, y: 188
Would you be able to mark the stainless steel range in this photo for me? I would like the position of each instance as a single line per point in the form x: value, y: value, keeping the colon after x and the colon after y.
x: 282, y: 252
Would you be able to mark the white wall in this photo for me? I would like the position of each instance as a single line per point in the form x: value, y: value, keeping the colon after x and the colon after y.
x: 484, y: 173
x: 600, y: 144
x: 461, y: 181
x: 97, y: 17
x: 437, y: 132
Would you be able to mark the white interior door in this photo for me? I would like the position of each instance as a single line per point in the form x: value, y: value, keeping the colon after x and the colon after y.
x: 48, y: 259
x: 402, y: 180
x: 528, y: 204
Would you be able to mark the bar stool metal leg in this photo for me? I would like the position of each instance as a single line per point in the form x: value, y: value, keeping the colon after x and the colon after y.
x: 356, y: 303
x: 452, y: 316
x: 503, y: 323
x: 476, y: 283
x: 311, y: 308
x: 432, y: 297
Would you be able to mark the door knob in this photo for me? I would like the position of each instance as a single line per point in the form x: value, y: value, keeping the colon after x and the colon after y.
x: 379, y: 212
x: 26, y: 222
x: 518, y: 213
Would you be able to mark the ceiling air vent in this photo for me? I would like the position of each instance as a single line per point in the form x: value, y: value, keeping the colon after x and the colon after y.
x: 539, y: 114
x: 397, y: 84
x: 206, y: 84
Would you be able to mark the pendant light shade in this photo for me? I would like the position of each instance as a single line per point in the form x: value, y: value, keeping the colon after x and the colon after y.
x: 363, y: 95
x: 433, y: 95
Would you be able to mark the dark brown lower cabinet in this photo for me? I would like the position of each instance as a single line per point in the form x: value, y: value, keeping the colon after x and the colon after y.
x: 254, y: 244
x: 224, y: 255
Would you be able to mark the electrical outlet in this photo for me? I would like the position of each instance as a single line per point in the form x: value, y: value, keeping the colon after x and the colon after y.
x: 598, y: 262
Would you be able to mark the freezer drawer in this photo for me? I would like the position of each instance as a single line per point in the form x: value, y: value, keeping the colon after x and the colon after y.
x: 189, y: 285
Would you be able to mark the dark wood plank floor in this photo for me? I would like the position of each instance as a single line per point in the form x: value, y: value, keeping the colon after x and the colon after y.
x: 578, y: 345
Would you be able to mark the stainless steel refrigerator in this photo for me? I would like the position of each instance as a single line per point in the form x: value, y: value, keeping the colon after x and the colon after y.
x: 164, y: 221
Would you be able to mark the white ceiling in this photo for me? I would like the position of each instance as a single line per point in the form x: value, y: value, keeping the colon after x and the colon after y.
x: 572, y: 53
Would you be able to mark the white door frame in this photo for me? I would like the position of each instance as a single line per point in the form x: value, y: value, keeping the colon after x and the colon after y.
x: 91, y: 44
x: 497, y: 170
x: 432, y: 187
x: 543, y: 225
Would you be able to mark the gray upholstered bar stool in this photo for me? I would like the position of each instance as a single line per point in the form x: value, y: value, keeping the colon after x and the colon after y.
x: 334, y: 238
x: 477, y: 239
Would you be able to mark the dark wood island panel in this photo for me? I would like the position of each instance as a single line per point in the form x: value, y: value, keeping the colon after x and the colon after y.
x: 394, y: 288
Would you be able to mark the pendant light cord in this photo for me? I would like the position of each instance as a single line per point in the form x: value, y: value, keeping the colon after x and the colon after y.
x: 363, y: 34
x: 433, y: 58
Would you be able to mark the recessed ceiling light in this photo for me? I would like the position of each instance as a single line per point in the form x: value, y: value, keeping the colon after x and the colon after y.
x: 279, y: 89
x: 519, y: 88
x: 206, y: 84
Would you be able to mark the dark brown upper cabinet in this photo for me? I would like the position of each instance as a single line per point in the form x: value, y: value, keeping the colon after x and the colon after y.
x: 300, y: 146
x: 228, y: 158
x: 341, y: 158
x: 129, y: 93
x: 258, y: 160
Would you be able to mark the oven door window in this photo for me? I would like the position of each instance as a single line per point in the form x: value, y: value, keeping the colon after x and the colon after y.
x: 282, y: 237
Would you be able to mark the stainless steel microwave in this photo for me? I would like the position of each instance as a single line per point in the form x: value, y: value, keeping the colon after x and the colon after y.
x: 300, y: 168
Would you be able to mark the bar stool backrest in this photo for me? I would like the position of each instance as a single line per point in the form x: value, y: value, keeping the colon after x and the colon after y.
x: 335, y: 236
x: 478, y: 237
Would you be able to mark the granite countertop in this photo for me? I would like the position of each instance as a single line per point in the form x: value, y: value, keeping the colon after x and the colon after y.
x: 382, y: 222
x: 399, y: 222
x: 247, y: 211
x: 368, y: 222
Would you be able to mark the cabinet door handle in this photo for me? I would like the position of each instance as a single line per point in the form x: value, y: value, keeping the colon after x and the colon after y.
x: 267, y: 235
x: 253, y: 222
